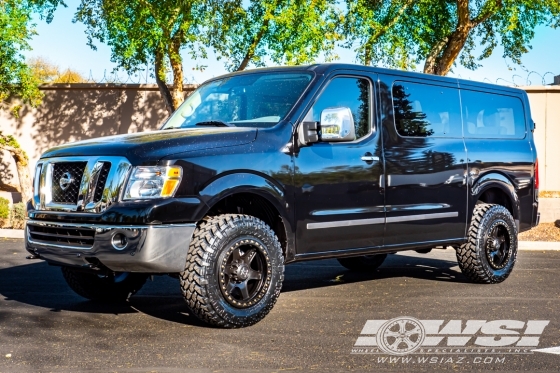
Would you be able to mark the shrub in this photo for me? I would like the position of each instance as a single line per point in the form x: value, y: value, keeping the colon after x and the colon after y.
x: 4, y: 208
x: 19, y: 212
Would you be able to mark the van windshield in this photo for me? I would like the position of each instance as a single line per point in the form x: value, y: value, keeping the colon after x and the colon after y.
x: 250, y: 100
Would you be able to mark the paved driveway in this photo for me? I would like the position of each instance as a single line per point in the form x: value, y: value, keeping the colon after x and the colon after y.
x: 314, y: 326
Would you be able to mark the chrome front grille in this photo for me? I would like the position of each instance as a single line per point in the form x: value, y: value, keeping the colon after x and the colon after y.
x: 68, y: 236
x: 71, y: 191
x: 81, y: 184
x: 101, y: 181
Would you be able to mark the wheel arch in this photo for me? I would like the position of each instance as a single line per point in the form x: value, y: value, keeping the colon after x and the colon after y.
x: 497, y: 189
x: 256, y: 195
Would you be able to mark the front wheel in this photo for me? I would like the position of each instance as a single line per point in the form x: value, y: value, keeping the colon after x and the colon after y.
x: 111, y: 287
x: 234, y: 271
x: 491, y: 250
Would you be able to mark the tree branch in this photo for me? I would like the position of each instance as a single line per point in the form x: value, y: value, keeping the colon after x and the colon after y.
x: 255, y: 43
x: 382, y: 31
x: 160, y: 80
x: 431, y: 61
x: 486, y: 13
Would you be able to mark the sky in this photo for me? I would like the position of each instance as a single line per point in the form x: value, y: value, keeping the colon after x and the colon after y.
x: 64, y: 43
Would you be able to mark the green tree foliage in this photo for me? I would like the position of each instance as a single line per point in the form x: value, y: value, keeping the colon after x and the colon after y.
x: 16, y: 30
x: 242, y: 32
x: 375, y: 29
x: 285, y: 32
x: 4, y: 208
x: 437, y: 33
x: 148, y: 31
x: 10, y: 144
x: 47, y: 72
x: 18, y: 215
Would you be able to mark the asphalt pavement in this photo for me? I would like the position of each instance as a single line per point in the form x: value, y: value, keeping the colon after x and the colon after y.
x: 317, y: 324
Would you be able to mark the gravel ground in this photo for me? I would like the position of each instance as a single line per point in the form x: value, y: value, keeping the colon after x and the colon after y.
x: 542, y: 232
x: 549, y: 194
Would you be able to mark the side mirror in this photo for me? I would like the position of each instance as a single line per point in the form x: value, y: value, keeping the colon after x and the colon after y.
x: 308, y: 132
x: 337, y: 125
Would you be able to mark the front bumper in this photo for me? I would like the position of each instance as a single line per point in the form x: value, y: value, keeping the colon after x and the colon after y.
x: 148, y: 249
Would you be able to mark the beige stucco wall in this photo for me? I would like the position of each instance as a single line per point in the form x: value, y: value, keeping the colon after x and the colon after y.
x: 77, y: 112
x: 545, y: 110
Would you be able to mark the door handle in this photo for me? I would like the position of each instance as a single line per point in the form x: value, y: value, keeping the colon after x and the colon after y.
x: 369, y: 158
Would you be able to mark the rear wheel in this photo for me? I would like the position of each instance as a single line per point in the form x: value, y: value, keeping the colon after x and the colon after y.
x: 491, y: 250
x: 234, y: 271
x: 364, y: 263
x: 112, y: 287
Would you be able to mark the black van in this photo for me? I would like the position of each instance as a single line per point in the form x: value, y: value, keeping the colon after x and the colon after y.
x: 267, y: 167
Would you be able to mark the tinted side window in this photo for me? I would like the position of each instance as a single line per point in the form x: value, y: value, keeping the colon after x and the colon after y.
x: 426, y: 110
x: 354, y: 93
x: 490, y: 115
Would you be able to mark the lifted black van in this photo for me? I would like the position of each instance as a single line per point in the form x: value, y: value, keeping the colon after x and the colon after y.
x: 267, y: 167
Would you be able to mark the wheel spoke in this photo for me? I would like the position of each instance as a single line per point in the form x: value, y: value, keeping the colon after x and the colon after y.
x: 254, y: 275
x: 402, y: 326
x: 409, y: 343
x: 244, y: 291
x: 501, y: 254
x: 416, y: 330
x: 236, y: 255
x: 249, y: 256
x: 396, y: 343
x: 390, y: 333
x: 230, y: 287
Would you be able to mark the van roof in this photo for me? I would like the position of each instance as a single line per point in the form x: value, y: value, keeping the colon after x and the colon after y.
x: 326, y: 68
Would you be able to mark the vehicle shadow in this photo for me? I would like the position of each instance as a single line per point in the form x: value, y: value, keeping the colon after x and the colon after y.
x: 41, y: 285
x: 322, y: 273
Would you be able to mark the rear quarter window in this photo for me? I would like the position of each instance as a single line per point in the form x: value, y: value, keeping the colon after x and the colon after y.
x: 490, y: 115
x: 423, y: 110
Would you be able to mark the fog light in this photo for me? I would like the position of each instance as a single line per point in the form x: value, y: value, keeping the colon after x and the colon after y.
x: 119, y: 241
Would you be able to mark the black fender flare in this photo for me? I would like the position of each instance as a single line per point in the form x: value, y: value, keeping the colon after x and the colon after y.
x: 248, y: 182
x: 243, y: 182
x: 495, y: 180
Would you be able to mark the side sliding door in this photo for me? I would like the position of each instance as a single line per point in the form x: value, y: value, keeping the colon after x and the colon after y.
x: 425, y: 161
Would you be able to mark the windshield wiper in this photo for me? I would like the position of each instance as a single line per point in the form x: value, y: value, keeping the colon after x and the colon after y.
x: 217, y: 123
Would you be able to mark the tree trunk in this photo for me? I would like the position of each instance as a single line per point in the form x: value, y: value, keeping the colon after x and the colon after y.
x: 177, y: 94
x: 22, y: 162
x: 440, y: 64
x: 455, y: 44
x: 431, y: 64
x: 367, y: 54
x: 445, y: 52
x: 162, y: 85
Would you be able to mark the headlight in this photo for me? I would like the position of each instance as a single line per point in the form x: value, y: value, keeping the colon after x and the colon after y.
x: 153, y: 182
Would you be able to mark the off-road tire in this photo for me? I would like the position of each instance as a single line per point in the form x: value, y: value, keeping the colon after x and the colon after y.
x: 202, y: 281
x: 473, y: 257
x: 108, y: 288
x: 366, y: 263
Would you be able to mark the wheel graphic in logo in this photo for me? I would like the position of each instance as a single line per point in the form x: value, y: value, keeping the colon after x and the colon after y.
x: 401, y: 336
x: 65, y: 180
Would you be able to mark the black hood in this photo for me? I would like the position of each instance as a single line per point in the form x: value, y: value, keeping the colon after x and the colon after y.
x: 152, y: 146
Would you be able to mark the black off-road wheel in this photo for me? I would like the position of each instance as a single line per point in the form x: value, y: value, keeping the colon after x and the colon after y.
x: 234, y: 271
x: 366, y: 263
x: 491, y: 250
x: 112, y: 287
